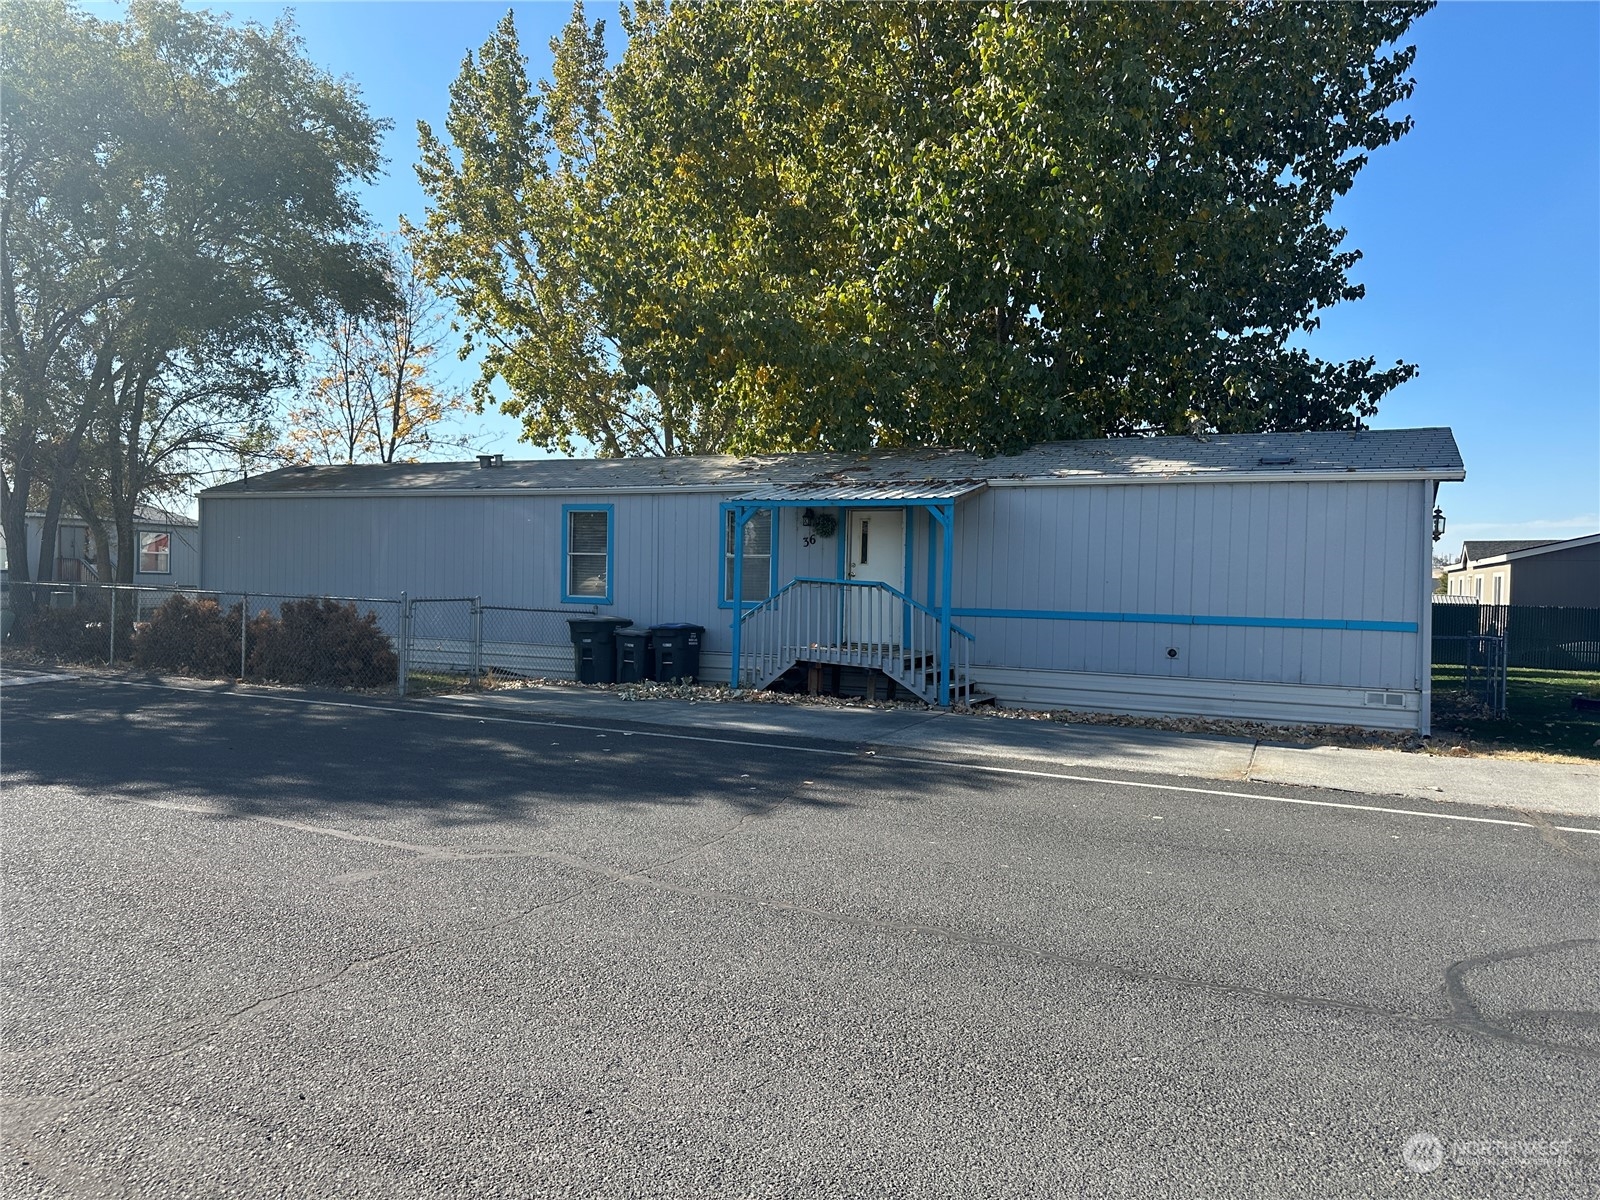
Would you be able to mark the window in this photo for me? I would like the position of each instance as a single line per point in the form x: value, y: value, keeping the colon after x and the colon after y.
x: 1477, y: 588
x: 586, y: 553
x: 155, y: 552
x: 758, y: 559
x: 1499, y: 588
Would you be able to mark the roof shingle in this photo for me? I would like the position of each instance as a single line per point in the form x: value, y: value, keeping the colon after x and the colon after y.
x: 1426, y: 453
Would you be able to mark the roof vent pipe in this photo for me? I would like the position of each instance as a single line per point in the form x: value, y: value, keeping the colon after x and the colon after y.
x: 487, y: 461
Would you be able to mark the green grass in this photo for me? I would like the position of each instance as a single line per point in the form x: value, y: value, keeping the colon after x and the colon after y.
x: 1539, y: 713
x: 429, y: 683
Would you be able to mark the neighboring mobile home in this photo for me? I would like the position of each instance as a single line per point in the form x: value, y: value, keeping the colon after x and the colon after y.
x: 1560, y: 574
x: 168, y: 551
x: 1282, y: 577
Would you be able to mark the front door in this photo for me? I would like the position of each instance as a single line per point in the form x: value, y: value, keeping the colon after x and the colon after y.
x: 72, y: 547
x: 875, y: 553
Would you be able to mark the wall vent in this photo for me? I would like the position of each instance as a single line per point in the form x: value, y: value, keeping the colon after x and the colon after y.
x: 1386, y: 699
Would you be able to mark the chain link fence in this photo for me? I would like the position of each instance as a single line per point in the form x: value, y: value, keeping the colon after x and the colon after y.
x: 531, y: 643
x: 361, y: 643
x: 451, y: 639
x: 442, y: 640
x: 1471, y: 669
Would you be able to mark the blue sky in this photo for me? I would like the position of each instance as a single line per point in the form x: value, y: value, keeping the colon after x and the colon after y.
x: 1481, y: 230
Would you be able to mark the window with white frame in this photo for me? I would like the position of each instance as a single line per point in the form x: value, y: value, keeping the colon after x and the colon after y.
x: 155, y: 552
x: 588, y: 566
x: 756, y: 582
x: 1499, y: 588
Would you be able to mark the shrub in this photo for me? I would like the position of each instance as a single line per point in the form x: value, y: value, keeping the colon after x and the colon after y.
x: 76, y: 633
x: 190, y: 637
x: 322, y: 641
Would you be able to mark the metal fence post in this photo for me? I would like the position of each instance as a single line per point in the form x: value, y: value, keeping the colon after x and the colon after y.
x: 476, y: 667
x: 244, y: 630
x: 405, y: 644
x: 111, y: 657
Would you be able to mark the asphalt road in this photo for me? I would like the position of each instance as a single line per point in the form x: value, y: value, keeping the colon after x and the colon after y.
x: 259, y: 948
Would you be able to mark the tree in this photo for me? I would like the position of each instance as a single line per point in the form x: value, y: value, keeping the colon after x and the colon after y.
x: 370, y: 388
x: 791, y: 225
x: 504, y: 241
x: 177, y: 203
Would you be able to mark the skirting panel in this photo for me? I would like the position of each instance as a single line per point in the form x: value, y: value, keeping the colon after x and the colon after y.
x: 1148, y: 696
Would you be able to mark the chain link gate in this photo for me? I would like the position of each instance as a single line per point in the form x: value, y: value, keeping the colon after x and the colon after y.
x: 1472, y: 667
x: 442, y: 638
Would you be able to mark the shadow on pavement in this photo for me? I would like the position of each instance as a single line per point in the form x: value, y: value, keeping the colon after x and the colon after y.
x: 260, y: 756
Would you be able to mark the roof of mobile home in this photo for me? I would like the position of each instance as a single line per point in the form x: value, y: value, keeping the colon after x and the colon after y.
x: 1384, y: 453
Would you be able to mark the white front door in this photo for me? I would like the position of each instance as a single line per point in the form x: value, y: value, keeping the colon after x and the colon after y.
x: 876, y: 553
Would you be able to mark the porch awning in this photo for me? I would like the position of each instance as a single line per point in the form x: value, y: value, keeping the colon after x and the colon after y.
x: 886, y: 492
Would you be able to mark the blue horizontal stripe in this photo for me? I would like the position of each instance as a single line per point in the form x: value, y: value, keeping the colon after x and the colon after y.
x: 1037, y: 614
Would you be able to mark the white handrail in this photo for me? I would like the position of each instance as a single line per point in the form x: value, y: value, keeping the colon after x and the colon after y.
x: 857, y: 623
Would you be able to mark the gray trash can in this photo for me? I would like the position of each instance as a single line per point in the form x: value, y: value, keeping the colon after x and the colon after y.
x: 677, y: 651
x: 634, y: 661
x: 594, y: 650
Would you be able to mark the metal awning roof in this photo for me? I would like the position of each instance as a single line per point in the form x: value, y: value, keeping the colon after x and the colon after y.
x: 863, y: 491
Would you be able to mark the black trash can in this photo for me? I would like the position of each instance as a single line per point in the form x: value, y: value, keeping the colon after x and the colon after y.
x: 594, y: 651
x: 634, y: 662
x: 677, y: 651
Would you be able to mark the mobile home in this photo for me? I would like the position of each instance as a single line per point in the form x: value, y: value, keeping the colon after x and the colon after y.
x: 1281, y: 577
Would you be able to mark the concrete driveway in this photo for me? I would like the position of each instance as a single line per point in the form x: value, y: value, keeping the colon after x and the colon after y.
x: 259, y: 945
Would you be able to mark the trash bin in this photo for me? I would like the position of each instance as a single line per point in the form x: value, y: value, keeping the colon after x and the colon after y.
x: 677, y: 651
x: 594, y: 651
x: 633, y: 656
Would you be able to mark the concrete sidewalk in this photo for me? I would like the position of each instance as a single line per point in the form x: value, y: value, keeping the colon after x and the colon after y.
x: 1552, y: 788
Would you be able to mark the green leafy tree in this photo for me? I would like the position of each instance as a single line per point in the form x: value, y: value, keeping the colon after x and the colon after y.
x: 790, y: 225
x: 177, y: 204
x: 504, y: 240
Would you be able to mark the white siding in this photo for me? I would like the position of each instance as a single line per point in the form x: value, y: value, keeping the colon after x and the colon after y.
x: 1292, y: 551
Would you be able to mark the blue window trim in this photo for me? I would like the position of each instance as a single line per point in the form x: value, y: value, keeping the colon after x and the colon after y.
x: 722, y: 554
x: 566, y: 566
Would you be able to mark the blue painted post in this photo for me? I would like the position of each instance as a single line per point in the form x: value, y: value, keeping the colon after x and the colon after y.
x: 905, y: 609
x: 947, y: 518
x: 740, y: 516
x: 843, y: 534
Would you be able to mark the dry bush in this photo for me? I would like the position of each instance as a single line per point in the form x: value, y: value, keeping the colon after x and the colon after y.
x: 189, y: 637
x: 322, y: 642
x: 78, y: 633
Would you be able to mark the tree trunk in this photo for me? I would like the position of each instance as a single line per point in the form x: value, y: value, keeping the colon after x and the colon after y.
x: 47, y: 538
x: 15, y: 522
x: 14, y: 517
x: 62, y: 465
x: 125, y: 498
x: 105, y: 559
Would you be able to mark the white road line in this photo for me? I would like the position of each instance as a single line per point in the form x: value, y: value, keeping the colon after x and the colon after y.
x: 468, y: 713
x: 23, y: 680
